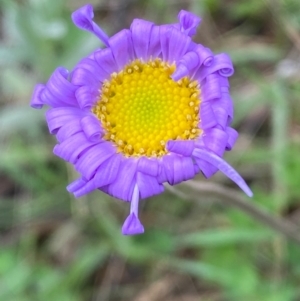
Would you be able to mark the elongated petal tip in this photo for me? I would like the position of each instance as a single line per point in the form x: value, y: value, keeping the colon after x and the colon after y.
x: 83, y: 19
x: 132, y: 225
x: 223, y: 166
x: 248, y: 191
x: 36, y: 101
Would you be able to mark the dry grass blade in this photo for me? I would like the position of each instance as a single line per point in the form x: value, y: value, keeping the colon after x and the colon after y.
x: 158, y: 290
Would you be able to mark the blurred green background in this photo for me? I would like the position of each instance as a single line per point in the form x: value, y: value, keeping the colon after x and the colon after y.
x: 204, y: 240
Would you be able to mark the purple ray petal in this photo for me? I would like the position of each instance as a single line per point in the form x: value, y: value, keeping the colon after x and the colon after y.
x: 105, y: 175
x: 154, y: 50
x: 148, y: 185
x: 123, y: 185
x: 106, y: 61
x: 215, y: 140
x: 75, y: 185
x: 71, y: 148
x: 88, y: 187
x: 36, y: 101
x: 226, y: 103
x: 83, y: 18
x: 188, y: 168
x: 83, y: 77
x: 168, y: 166
x: 162, y: 177
x: 88, y: 72
x: 182, y: 147
x: 188, y: 22
x: 148, y: 166
x: 207, y: 116
x: 211, y: 89
x: 141, y: 33
x: 121, y: 47
x: 86, y: 96
x: 108, y: 171
x: 179, y: 173
x: 232, y: 137
x: 206, y: 168
x: 92, y: 128
x: 224, y: 167
x: 90, y: 161
x: 174, y: 44
x: 221, y: 117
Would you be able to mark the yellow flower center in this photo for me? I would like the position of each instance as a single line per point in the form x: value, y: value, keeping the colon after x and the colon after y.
x: 141, y: 108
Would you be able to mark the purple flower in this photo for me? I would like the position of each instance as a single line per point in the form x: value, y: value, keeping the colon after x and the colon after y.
x: 151, y: 107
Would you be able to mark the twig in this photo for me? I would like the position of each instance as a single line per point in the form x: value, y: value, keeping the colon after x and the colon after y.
x: 232, y: 198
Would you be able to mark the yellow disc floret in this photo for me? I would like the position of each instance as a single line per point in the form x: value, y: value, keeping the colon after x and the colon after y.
x: 142, y: 107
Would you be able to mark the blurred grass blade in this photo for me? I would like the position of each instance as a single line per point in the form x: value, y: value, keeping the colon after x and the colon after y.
x: 222, y: 237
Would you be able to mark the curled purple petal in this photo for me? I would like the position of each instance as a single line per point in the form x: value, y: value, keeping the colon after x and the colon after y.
x: 188, y: 22
x: 59, y: 92
x: 83, y: 19
x: 89, y: 74
x: 224, y: 167
x: 68, y: 129
x: 205, y: 55
x: 221, y: 64
x: 185, y: 65
x: 86, y: 97
x: 57, y: 117
x: 91, y: 127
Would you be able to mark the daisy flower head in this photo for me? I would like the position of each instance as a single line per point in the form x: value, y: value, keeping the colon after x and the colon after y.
x: 151, y: 107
